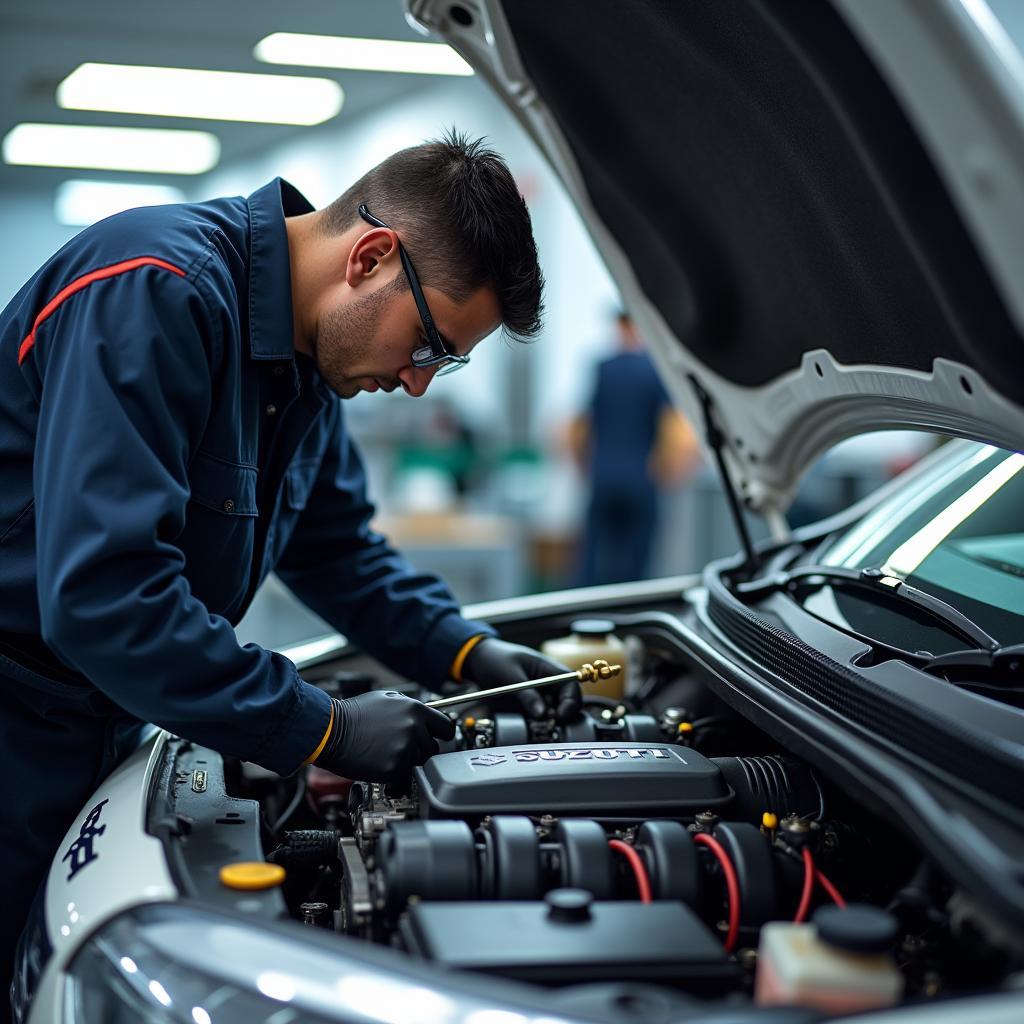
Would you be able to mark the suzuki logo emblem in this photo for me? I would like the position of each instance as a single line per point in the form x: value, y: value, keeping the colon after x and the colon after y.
x: 487, y: 760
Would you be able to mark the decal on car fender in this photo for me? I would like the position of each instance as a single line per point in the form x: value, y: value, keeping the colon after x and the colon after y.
x: 81, y: 851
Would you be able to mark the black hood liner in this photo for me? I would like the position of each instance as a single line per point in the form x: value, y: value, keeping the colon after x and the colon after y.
x: 766, y: 187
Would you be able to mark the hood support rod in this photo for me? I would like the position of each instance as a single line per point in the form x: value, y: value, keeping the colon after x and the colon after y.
x: 716, y: 440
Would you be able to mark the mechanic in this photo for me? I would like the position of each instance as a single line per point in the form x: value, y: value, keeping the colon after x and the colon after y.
x: 171, y: 432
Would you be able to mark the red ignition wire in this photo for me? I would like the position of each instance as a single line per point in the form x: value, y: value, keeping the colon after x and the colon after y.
x: 732, y: 886
x: 805, y: 896
x: 643, y: 883
x: 833, y: 892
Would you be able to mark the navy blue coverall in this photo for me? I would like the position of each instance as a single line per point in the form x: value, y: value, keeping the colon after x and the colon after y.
x: 162, y: 448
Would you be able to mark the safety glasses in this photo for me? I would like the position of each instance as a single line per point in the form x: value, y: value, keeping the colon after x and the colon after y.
x: 436, y: 351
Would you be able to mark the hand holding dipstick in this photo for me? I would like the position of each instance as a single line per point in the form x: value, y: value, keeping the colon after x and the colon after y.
x: 588, y: 673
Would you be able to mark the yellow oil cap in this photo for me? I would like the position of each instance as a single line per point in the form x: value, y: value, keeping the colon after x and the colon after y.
x: 252, y: 874
x: 684, y: 727
x: 769, y: 820
x: 469, y: 721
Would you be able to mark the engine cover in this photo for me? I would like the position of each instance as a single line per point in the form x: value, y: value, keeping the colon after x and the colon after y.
x: 597, y: 780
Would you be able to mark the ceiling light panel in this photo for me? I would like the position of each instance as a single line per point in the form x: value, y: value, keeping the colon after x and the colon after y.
x: 188, y: 92
x: 79, y: 203
x: 156, y: 150
x: 360, y: 54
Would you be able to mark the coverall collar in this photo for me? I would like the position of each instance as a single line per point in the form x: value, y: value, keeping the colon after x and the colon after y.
x: 271, y: 323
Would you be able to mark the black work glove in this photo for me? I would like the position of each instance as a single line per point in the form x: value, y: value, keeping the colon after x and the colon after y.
x: 379, y: 736
x: 494, y: 662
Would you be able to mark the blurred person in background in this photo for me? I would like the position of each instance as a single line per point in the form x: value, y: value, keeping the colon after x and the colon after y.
x: 631, y: 445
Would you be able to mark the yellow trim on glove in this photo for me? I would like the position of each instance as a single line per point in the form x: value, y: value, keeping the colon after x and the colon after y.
x: 460, y: 659
x: 323, y: 743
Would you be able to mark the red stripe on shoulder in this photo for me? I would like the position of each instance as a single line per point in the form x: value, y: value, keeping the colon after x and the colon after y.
x: 83, y: 282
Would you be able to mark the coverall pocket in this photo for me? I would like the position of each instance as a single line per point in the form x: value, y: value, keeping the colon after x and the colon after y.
x: 223, y: 486
x: 219, y: 536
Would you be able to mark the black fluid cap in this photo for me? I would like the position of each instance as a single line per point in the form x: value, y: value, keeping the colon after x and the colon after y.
x: 593, y: 627
x: 859, y: 928
x: 569, y: 906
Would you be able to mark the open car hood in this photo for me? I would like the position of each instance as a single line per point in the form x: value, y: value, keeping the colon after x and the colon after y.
x: 814, y: 212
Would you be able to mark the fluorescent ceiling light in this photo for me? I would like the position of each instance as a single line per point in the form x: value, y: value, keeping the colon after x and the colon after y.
x: 79, y: 203
x: 185, y: 92
x: 360, y: 54
x: 159, y: 150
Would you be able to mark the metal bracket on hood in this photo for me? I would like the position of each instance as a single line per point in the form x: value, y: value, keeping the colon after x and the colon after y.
x: 716, y: 439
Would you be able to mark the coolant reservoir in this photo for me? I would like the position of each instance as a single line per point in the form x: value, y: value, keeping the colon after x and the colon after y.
x: 840, y: 963
x: 592, y: 639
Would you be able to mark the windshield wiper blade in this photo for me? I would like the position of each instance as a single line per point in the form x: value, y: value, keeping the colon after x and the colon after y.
x: 1004, y: 665
x: 879, y: 583
x: 988, y: 667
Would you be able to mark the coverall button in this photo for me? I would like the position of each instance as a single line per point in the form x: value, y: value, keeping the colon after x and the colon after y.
x: 278, y: 370
x: 271, y: 409
x: 229, y: 505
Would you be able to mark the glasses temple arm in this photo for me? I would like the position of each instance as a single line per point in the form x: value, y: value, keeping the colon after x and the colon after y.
x: 414, y: 282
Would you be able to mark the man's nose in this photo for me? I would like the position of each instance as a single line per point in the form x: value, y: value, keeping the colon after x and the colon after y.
x: 416, y: 379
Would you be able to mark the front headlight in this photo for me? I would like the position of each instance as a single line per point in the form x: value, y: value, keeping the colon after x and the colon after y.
x: 176, y: 964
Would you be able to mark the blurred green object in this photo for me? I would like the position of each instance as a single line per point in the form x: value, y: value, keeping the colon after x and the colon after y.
x: 523, y: 453
x: 457, y: 460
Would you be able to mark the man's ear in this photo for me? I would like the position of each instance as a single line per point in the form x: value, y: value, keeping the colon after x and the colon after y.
x: 369, y: 251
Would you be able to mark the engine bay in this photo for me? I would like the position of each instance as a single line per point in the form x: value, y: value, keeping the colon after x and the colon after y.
x: 659, y: 846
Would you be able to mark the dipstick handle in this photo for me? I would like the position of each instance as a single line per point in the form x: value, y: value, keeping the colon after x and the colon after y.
x: 589, y: 673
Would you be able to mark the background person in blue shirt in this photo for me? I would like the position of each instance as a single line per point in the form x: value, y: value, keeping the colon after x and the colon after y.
x: 171, y: 432
x: 630, y: 445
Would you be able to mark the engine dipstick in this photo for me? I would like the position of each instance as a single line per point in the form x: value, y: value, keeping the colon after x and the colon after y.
x: 589, y: 673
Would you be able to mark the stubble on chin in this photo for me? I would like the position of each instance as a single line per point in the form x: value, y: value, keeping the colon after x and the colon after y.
x: 345, y: 389
x: 338, y: 347
x: 345, y: 338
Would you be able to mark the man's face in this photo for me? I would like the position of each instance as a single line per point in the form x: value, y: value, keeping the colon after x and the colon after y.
x: 364, y: 342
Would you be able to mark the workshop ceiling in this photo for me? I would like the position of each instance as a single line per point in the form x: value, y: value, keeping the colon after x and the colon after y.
x: 42, y: 41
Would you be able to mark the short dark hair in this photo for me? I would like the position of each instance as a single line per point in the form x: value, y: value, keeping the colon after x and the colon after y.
x: 462, y: 220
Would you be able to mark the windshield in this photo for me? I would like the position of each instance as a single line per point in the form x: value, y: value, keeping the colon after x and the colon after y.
x: 958, y: 535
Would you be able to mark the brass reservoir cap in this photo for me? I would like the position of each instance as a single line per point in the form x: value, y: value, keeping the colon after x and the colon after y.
x: 255, y: 874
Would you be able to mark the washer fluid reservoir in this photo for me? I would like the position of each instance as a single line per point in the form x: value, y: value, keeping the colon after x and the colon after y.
x: 841, y: 963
